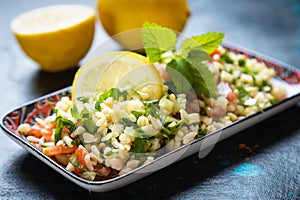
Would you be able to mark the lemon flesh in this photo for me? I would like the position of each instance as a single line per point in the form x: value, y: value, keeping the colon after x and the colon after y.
x: 121, y: 70
x: 56, y: 37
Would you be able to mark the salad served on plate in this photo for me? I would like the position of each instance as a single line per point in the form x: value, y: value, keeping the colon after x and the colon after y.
x: 127, y: 109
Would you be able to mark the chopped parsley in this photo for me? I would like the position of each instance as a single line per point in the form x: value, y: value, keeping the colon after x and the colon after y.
x: 137, y: 114
x: 242, y: 62
x: 115, y: 93
x: 85, y: 117
x: 226, y: 58
x: 83, y: 99
x: 243, y: 94
x: 170, y: 132
x: 61, y: 122
x: 140, y: 145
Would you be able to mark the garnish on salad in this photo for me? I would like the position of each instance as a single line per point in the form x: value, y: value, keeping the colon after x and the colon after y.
x: 127, y: 109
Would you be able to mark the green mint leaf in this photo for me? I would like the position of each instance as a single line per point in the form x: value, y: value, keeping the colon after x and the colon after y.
x: 205, y: 82
x: 187, y: 70
x: 157, y: 40
x: 208, y: 42
x: 189, y: 45
x: 192, y: 74
x: 178, y: 70
x: 195, y: 50
x: 197, y: 56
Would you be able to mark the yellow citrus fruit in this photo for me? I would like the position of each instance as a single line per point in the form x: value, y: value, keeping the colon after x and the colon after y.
x: 56, y: 37
x: 117, y: 70
x: 118, y: 16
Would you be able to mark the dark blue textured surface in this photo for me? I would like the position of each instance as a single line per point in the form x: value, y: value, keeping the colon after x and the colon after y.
x: 261, y: 162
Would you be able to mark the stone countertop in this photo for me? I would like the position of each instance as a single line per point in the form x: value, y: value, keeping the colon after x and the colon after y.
x: 261, y: 162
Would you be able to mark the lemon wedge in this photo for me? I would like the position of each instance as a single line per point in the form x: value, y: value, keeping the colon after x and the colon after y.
x: 119, y: 69
x: 56, y: 37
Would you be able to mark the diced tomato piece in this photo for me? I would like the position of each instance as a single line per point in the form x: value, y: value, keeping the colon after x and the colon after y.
x: 47, y: 135
x: 231, y: 97
x: 50, y: 125
x: 77, y: 170
x: 215, y: 52
x: 65, y: 131
x: 35, y: 131
x: 57, y: 150
x: 80, y: 154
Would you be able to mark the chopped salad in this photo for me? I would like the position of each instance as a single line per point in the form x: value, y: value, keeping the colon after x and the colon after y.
x: 119, y: 129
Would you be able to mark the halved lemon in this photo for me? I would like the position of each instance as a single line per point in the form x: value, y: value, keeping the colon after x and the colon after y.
x: 117, y: 70
x: 57, y: 37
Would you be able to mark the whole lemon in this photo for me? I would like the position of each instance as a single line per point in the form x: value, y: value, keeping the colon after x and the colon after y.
x: 123, y: 19
x: 56, y: 37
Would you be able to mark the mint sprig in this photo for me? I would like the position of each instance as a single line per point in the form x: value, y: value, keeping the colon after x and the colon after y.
x: 186, y: 68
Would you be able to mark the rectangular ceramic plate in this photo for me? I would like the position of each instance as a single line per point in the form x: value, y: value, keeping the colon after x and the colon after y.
x: 41, y: 108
